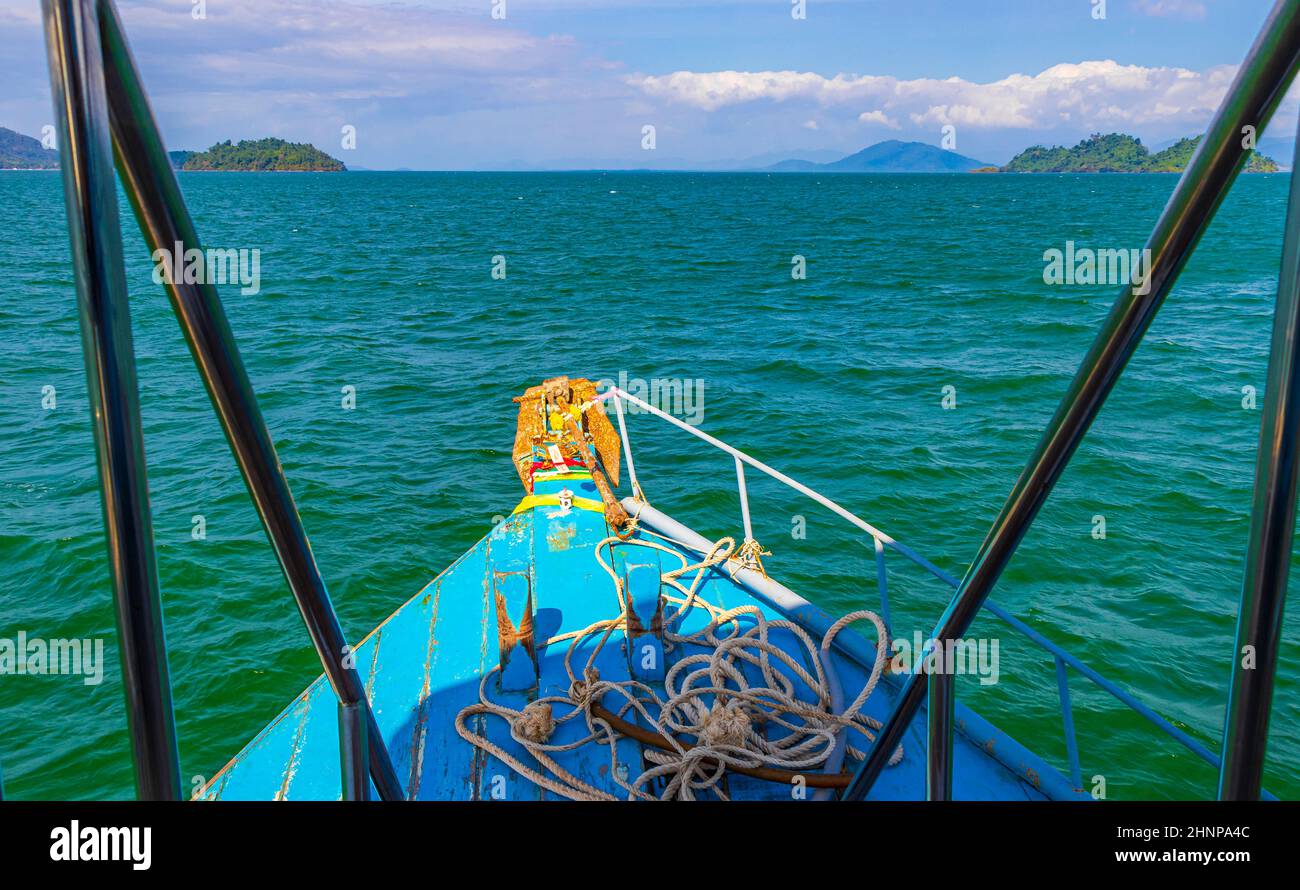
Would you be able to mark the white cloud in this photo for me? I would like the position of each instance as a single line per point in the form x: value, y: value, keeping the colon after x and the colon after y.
x: 1082, y: 95
x: 712, y: 90
x: 1185, y: 9
x: 878, y: 117
x: 336, y: 42
x: 15, y: 12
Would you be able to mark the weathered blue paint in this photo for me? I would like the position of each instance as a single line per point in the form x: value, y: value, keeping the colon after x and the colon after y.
x: 643, y: 637
x: 424, y: 664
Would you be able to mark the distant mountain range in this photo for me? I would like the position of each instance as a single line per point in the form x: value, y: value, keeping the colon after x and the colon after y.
x: 19, y: 152
x: 892, y: 156
x: 1110, y: 153
x: 657, y: 161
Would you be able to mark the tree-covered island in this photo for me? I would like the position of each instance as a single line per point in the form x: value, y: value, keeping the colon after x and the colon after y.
x: 263, y: 155
x: 1118, y: 153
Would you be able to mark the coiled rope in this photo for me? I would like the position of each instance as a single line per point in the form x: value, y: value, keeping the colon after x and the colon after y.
x: 705, y: 695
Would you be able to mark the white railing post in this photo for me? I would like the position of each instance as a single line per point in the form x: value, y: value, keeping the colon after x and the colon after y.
x: 744, y: 500
x: 627, y: 447
x: 882, y: 582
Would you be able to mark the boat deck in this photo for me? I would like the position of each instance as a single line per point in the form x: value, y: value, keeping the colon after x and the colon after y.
x: 424, y: 665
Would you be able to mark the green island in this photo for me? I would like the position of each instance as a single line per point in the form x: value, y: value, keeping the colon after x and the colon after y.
x: 260, y: 155
x: 1117, y: 153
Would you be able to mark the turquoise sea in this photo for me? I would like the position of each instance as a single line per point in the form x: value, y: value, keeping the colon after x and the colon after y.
x: 383, y: 282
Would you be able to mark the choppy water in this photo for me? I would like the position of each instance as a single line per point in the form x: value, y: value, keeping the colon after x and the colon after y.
x: 915, y: 283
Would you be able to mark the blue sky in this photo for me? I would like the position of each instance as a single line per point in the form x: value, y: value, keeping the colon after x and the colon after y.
x: 442, y: 84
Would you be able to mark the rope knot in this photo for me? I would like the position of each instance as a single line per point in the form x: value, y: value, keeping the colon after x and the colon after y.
x: 751, y: 555
x: 581, y: 692
x: 725, y: 725
x: 535, y: 722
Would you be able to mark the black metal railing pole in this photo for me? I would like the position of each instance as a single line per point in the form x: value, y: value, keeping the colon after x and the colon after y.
x: 353, y: 753
x: 1272, y: 525
x: 939, y: 737
x: 1259, y: 86
x: 81, y: 112
x: 151, y: 185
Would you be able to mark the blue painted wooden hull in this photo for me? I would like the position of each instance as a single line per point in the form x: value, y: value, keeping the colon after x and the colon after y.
x: 424, y: 664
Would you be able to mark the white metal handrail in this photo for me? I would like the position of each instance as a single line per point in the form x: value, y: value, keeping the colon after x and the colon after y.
x: 742, y: 458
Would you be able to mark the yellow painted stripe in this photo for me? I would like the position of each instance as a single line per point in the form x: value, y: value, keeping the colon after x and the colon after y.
x: 551, y: 500
x: 577, y: 475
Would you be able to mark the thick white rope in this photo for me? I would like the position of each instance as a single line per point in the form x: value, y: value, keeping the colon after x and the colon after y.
x: 706, y: 696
